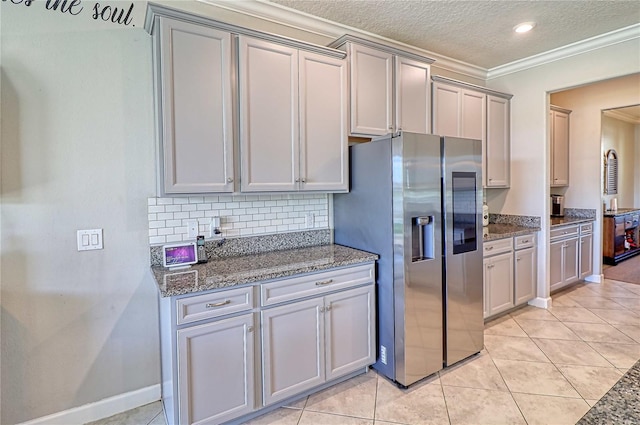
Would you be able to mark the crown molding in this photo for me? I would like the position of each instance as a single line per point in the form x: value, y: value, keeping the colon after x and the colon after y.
x: 297, y: 20
x: 598, y: 42
x: 622, y: 116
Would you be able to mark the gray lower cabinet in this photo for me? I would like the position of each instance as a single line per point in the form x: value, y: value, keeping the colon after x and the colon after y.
x: 216, y: 370
x: 525, y: 268
x: 309, y: 342
x: 586, y: 250
x: 564, y: 257
x: 510, y: 273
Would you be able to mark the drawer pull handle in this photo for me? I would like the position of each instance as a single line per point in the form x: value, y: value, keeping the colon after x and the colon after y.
x: 220, y: 304
x: 525, y: 241
x: 489, y: 248
x: 324, y: 282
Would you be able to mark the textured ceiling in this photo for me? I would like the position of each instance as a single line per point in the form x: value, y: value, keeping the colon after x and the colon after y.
x: 477, y: 32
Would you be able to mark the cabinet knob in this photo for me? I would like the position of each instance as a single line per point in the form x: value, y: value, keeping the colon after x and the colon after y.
x: 229, y: 179
x: 518, y: 259
x: 390, y: 127
x: 303, y: 180
x: 297, y: 180
x: 250, y: 329
x: 321, y: 309
x: 328, y: 308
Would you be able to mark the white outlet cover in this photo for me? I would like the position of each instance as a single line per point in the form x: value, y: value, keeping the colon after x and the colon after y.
x: 89, y: 239
x: 192, y: 229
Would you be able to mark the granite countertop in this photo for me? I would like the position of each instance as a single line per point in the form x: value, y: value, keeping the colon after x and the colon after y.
x: 620, y: 211
x: 620, y: 404
x: 561, y: 221
x: 232, y: 271
x: 502, y: 231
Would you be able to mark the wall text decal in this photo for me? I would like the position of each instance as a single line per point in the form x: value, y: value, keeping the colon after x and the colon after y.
x: 107, y: 13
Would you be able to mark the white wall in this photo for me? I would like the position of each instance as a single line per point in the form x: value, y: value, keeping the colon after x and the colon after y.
x: 620, y: 136
x: 529, y: 192
x: 636, y: 178
x: 77, y: 153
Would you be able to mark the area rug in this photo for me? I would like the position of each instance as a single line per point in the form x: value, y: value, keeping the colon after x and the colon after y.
x: 626, y: 271
x: 620, y: 405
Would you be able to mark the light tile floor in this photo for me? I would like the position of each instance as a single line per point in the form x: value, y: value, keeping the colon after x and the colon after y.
x: 538, y: 367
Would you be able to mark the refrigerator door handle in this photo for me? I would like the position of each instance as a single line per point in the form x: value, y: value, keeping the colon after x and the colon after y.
x: 423, y: 238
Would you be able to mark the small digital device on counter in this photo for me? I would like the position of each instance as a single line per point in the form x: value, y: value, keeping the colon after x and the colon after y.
x: 202, y: 253
x: 179, y: 256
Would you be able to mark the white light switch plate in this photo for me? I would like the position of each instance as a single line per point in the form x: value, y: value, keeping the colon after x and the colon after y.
x: 192, y: 229
x: 89, y: 239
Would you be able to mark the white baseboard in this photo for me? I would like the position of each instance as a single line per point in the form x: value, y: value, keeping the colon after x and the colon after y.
x: 595, y: 278
x: 541, y: 302
x: 101, y: 409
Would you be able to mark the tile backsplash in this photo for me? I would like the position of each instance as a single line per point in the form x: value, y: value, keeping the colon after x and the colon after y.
x: 240, y: 215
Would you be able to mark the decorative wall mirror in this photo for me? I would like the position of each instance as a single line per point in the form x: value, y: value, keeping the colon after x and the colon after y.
x: 611, y: 172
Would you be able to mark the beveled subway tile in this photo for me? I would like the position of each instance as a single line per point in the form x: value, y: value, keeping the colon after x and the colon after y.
x: 354, y: 397
x: 617, y: 316
x: 479, y: 406
x: 571, y: 353
x: 591, y: 382
x: 597, y: 302
x: 534, y: 378
x: 545, y: 410
x: 421, y: 403
x: 532, y: 313
x: 546, y: 329
x: 513, y: 348
x: 504, y: 326
x: 315, y: 418
x: 281, y: 416
x: 477, y: 372
x: 598, y: 332
x: 620, y: 355
x: 575, y: 314
x: 631, y: 331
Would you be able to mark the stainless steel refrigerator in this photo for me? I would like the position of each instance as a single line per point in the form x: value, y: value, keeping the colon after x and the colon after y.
x: 416, y: 201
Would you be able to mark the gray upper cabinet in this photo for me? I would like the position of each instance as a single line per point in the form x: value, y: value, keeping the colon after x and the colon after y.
x: 559, y: 128
x: 293, y: 134
x: 229, y: 96
x: 465, y: 110
x: 193, y: 96
x: 389, y: 89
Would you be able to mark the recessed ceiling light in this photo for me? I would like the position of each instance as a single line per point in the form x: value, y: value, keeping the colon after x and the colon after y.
x: 524, y: 27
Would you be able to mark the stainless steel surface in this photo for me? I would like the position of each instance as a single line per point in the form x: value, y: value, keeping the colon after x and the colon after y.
x: 557, y: 206
x: 394, y: 209
x: 220, y: 304
x: 464, y: 323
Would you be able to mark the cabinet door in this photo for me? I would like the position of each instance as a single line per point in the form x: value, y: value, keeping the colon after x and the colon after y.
x: 215, y: 370
x: 323, y: 123
x: 350, y: 331
x: 497, y: 152
x: 571, y: 271
x: 371, y: 91
x: 525, y: 275
x: 499, y: 275
x: 586, y: 255
x: 499, y: 280
x: 473, y: 115
x: 195, y: 100
x: 559, y: 148
x: 413, y: 96
x: 292, y: 349
x: 556, y: 250
x: 446, y: 110
x: 268, y: 116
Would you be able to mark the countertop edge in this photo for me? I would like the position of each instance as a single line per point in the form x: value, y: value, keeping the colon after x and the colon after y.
x: 510, y: 234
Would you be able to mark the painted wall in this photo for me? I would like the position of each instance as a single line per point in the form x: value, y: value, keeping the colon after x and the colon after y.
x: 529, y: 192
x: 620, y: 136
x: 636, y: 167
x: 77, y: 153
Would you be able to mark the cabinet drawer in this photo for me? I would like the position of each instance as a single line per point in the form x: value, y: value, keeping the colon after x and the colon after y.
x: 497, y: 247
x: 314, y: 284
x: 200, y: 307
x: 586, y: 228
x: 563, y: 232
x: 524, y: 241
